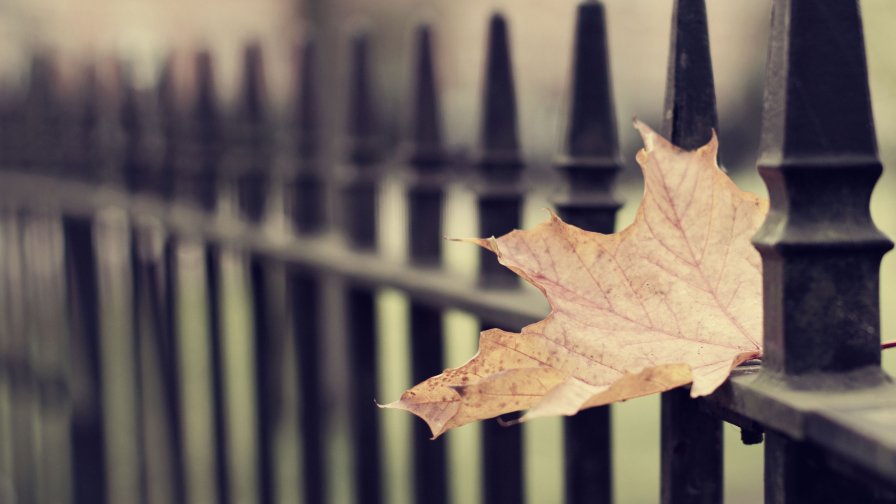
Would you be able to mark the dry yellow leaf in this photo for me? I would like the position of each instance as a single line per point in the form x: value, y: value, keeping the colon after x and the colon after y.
x: 675, y: 298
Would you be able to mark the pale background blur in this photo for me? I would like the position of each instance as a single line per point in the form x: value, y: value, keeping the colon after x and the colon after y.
x: 144, y: 32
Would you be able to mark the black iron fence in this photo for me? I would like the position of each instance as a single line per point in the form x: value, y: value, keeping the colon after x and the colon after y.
x: 103, y: 224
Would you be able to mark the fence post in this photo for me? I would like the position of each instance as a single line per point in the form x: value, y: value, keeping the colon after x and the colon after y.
x: 425, y: 207
x: 690, y: 440
x: 499, y: 201
x: 820, y: 249
x: 589, y: 163
x: 360, y: 216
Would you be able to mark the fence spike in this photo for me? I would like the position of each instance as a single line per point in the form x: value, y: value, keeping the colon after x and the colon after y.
x: 170, y: 126
x: 689, y: 113
x: 589, y: 161
x: 201, y: 175
x: 205, y: 113
x: 168, y: 100
x: 130, y: 124
x: 304, y: 197
x: 500, y: 139
x: 87, y: 145
x: 253, y: 92
x: 426, y: 134
x: 499, y: 162
x: 43, y: 114
x: 254, y: 140
x: 362, y: 120
x: 129, y: 108
x: 307, y: 113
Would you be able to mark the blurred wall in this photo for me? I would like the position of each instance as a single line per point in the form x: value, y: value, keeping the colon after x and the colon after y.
x: 143, y: 32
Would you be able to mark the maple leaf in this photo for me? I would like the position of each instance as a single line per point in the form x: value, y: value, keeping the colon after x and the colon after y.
x: 675, y: 298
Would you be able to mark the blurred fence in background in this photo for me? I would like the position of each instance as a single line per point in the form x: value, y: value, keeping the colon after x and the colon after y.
x: 203, y: 296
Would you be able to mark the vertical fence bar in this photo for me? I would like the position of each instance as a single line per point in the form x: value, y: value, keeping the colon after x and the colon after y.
x: 267, y: 372
x: 158, y: 357
x: 9, y: 105
x: 50, y: 356
x: 307, y: 216
x: 20, y: 380
x: 162, y: 281
x: 499, y: 202
x: 7, y: 488
x: 820, y: 249
x: 88, y: 457
x: 360, y: 214
x: 589, y: 164
x: 198, y: 183
x: 88, y: 454
x: 131, y: 134
x: 252, y: 185
x: 425, y: 206
x: 690, y: 440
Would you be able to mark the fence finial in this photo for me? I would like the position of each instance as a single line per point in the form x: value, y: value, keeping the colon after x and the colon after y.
x: 426, y: 146
x: 820, y: 249
x: 43, y: 114
x: 170, y: 126
x: 304, y: 193
x: 500, y: 139
x: 253, y: 97
x: 589, y: 160
x: 689, y: 114
x: 306, y: 111
x: 128, y: 106
x: 201, y: 181
x: 362, y: 120
x: 205, y: 108
x: 131, y: 124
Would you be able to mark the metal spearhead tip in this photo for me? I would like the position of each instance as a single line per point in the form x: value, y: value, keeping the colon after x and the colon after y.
x: 689, y: 113
x: 90, y: 98
x: 591, y: 131
x: 500, y: 142
x: 206, y: 100
x: 307, y: 120
x: 166, y: 94
x: 128, y: 106
x: 41, y: 80
x: 253, y: 98
x: 817, y: 102
x: 362, y: 117
x: 426, y: 148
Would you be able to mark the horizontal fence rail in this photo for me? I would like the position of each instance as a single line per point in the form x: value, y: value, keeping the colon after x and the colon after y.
x: 177, y: 277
